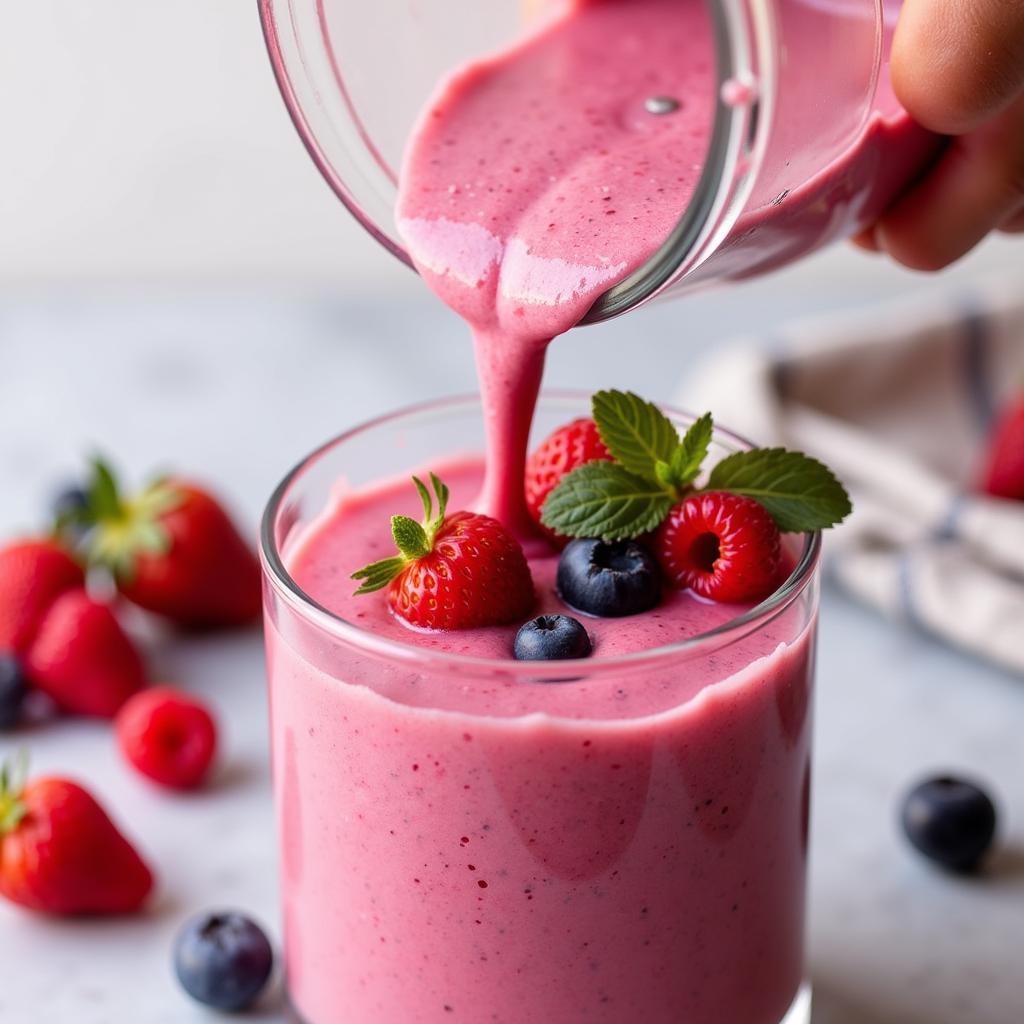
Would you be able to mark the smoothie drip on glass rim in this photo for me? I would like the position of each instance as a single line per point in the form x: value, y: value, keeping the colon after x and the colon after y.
x: 538, y: 179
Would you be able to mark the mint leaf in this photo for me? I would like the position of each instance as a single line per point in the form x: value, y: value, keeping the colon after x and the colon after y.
x: 800, y: 493
x: 410, y: 537
x: 637, y: 433
x: 691, y: 452
x: 379, y: 574
x: 603, y: 499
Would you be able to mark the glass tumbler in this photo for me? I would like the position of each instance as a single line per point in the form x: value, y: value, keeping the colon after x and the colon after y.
x: 602, y: 841
x: 808, y: 143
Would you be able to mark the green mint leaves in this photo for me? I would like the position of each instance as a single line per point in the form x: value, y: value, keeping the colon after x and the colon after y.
x: 413, y: 540
x: 800, y: 493
x: 602, y: 499
x: 655, y: 468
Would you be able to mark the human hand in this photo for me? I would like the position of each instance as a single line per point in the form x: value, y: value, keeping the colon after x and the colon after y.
x: 958, y: 68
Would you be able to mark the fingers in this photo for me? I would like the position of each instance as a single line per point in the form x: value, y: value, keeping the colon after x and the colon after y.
x: 977, y: 186
x: 957, y: 63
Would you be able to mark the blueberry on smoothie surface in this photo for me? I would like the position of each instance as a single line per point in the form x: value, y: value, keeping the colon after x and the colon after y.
x: 551, y: 638
x: 608, y: 579
x: 951, y: 821
x: 223, y: 960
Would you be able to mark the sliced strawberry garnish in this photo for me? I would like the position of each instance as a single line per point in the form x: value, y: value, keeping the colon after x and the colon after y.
x: 33, y: 574
x: 721, y: 546
x: 82, y: 658
x: 457, y: 571
x: 573, y: 445
x: 1003, y: 473
x: 61, y: 854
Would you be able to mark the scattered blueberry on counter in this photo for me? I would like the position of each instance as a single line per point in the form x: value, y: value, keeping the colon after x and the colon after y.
x: 13, y: 690
x: 551, y: 638
x: 608, y: 579
x: 223, y: 960
x: 951, y: 821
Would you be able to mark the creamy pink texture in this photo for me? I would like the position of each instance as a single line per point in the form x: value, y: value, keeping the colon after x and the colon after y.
x: 619, y: 848
x: 466, y: 845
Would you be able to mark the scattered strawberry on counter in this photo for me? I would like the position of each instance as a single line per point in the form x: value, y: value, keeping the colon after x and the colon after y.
x: 61, y: 854
x: 1003, y: 472
x: 56, y: 639
x: 172, y: 550
x: 82, y: 659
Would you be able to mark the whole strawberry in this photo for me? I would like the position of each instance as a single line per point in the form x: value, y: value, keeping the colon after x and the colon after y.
x: 457, y: 571
x: 1003, y: 473
x: 61, y: 854
x: 174, y: 551
x: 82, y: 658
x: 33, y: 574
x: 573, y: 445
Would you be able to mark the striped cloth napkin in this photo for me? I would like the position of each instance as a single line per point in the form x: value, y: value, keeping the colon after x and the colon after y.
x: 900, y: 401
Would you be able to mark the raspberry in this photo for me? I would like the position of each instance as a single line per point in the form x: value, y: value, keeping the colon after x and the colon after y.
x: 568, y: 447
x: 168, y: 736
x: 721, y: 546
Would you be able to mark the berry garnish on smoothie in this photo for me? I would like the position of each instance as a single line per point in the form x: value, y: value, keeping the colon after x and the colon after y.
x: 457, y: 571
x: 721, y: 540
x: 624, y: 486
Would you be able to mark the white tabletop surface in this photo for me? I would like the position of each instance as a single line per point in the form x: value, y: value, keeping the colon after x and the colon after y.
x: 234, y: 388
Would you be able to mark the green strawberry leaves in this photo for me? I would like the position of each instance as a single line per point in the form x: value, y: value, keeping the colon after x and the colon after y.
x: 413, y: 540
x: 655, y: 468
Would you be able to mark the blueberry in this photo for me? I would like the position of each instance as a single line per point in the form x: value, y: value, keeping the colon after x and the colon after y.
x: 223, y: 960
x: 609, y: 579
x: 68, y: 508
x: 551, y: 638
x: 951, y: 821
x: 13, y: 690
x: 69, y: 502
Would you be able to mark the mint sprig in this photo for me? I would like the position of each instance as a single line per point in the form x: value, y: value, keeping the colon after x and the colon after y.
x: 800, y: 493
x: 654, y: 469
x: 413, y: 540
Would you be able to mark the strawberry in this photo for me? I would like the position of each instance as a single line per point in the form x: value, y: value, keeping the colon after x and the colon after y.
x: 168, y: 736
x: 33, y: 573
x: 457, y: 571
x: 722, y: 546
x: 61, y: 854
x: 1003, y: 472
x: 573, y: 445
x: 174, y: 551
x: 82, y: 658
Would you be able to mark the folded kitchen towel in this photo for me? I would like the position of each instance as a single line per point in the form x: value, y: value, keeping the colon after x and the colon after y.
x: 899, y: 401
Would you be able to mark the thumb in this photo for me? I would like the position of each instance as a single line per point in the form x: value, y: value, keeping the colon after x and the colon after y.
x: 957, y: 63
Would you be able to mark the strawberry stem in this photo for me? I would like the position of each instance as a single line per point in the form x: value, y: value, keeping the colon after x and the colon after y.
x: 13, y: 776
x: 413, y: 540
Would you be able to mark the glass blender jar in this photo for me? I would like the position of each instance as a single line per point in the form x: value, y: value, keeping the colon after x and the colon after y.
x: 808, y: 142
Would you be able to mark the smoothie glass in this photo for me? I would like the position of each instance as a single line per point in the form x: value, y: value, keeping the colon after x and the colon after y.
x: 598, y: 842
x: 807, y: 143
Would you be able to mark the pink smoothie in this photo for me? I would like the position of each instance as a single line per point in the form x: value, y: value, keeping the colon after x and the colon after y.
x: 539, y: 178
x: 629, y: 846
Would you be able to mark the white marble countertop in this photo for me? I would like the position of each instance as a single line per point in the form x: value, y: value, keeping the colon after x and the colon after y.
x: 234, y: 388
